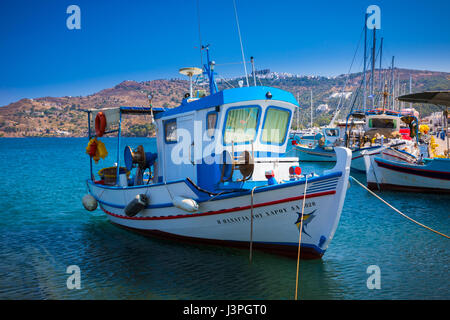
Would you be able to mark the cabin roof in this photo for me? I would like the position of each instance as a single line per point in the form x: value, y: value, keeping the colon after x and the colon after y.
x: 230, y: 96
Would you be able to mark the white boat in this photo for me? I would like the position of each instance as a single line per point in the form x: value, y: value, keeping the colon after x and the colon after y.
x: 381, y: 128
x: 432, y: 176
x: 426, y: 175
x: 309, y: 137
x: 237, y: 190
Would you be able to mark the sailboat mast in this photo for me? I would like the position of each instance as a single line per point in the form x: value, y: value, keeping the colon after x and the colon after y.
x: 399, y: 89
x: 373, y: 69
x: 311, y: 109
x: 380, y: 70
x: 365, y: 61
x: 410, y: 88
x: 392, y: 82
x: 298, y: 111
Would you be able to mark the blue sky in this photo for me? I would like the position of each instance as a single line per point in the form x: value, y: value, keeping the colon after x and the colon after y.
x: 152, y: 39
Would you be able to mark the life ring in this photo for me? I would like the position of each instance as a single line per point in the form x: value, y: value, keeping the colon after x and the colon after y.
x: 100, y: 124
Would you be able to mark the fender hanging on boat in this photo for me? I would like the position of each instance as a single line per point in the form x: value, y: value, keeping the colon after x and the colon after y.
x: 186, y: 204
x: 136, y: 205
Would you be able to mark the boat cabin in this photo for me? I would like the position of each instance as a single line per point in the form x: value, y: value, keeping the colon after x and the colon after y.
x: 227, y: 139
x: 381, y: 123
x: 232, y: 139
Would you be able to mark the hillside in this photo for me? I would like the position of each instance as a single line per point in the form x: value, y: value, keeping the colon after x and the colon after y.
x: 64, y: 116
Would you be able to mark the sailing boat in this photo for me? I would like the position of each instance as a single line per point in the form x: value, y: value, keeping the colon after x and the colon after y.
x: 367, y: 130
x: 308, y: 137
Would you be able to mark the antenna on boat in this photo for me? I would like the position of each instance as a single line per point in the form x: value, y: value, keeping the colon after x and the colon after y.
x: 253, y: 70
x: 209, y: 71
x: 240, y: 40
x: 199, y: 32
x: 191, y: 71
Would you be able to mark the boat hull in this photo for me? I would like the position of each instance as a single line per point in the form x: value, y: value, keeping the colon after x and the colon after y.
x: 227, y: 219
x: 319, y: 154
x: 386, y: 174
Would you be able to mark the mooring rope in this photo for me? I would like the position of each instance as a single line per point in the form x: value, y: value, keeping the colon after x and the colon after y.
x: 300, y: 236
x: 398, y: 211
x: 251, y: 225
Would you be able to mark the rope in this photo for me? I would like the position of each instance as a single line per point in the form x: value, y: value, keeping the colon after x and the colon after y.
x: 251, y: 225
x: 300, y: 236
x: 399, y: 212
x: 251, y: 222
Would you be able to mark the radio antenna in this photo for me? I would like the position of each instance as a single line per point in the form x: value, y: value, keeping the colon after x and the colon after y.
x: 240, y: 40
x: 199, y: 33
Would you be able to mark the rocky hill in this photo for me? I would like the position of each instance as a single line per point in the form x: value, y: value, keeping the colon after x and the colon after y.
x: 64, y: 116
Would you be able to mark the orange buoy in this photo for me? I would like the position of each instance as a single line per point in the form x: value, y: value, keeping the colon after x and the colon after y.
x: 100, y: 124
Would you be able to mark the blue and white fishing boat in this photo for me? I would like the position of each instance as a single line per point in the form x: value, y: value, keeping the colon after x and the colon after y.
x: 309, y: 137
x: 422, y: 175
x: 220, y: 175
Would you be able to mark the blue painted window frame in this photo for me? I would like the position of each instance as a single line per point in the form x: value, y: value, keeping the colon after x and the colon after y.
x: 256, y: 129
x: 287, y: 126
x: 165, y: 123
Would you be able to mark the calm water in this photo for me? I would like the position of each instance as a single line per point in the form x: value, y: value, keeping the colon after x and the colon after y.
x: 44, y: 229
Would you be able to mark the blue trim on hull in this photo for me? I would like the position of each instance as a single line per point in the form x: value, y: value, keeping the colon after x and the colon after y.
x: 324, y: 186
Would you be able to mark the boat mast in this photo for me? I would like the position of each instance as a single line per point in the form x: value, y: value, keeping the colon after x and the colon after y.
x: 410, y: 87
x: 380, y: 71
x: 373, y: 68
x: 298, y: 110
x: 392, y: 82
x: 365, y: 61
x: 399, y: 105
x: 311, y: 109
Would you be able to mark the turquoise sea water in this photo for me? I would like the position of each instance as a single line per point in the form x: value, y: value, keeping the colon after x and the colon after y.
x: 44, y: 229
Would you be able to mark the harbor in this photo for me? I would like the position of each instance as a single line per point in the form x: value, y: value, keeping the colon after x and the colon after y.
x: 231, y: 185
x: 118, y: 264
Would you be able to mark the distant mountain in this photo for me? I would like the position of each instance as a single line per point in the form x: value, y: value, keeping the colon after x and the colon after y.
x: 64, y: 116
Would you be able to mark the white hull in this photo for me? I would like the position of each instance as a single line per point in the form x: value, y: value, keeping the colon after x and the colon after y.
x: 226, y: 219
x: 320, y: 155
x: 399, y: 175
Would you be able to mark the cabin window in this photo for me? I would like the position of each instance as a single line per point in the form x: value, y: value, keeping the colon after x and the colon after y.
x: 275, y: 125
x: 170, y: 131
x: 382, y: 123
x: 332, y: 132
x: 241, y: 124
x: 211, y: 123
